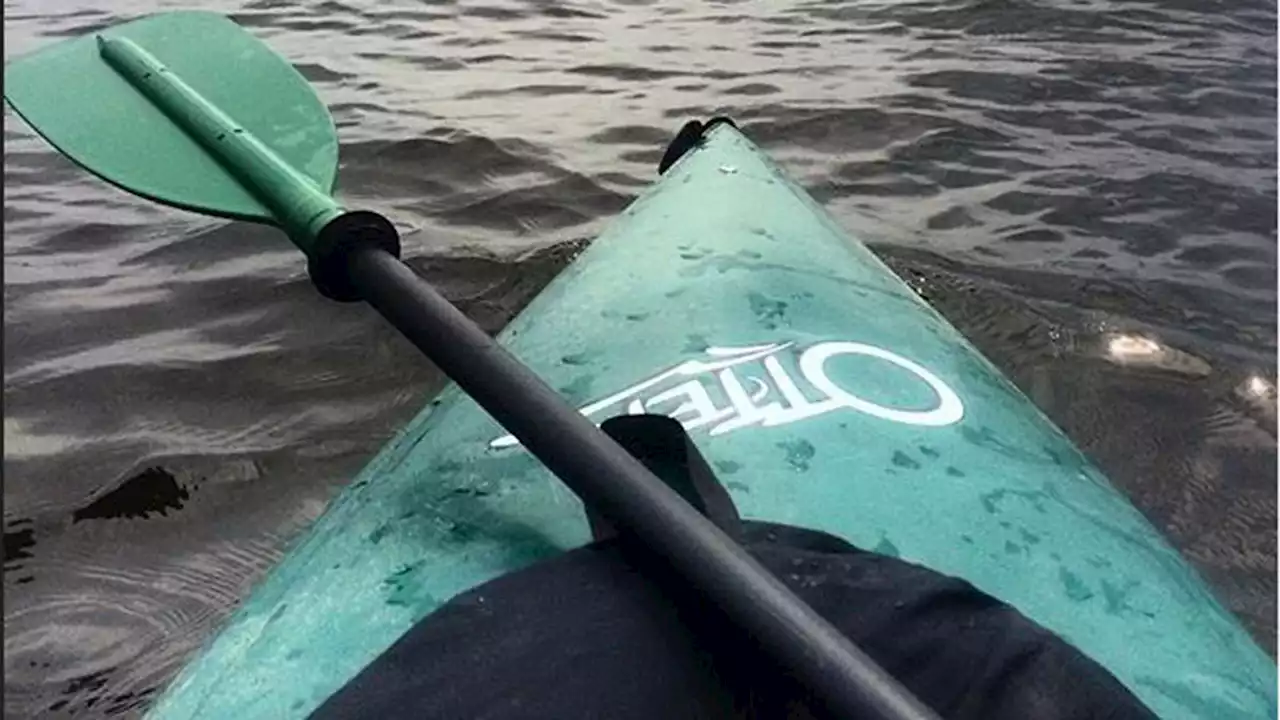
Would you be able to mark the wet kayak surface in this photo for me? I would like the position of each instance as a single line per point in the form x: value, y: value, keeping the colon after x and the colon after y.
x: 1087, y: 191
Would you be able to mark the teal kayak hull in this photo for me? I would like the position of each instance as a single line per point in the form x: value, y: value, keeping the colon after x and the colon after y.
x: 824, y: 392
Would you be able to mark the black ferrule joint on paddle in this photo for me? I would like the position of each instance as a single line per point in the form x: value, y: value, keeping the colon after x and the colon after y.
x: 329, y: 257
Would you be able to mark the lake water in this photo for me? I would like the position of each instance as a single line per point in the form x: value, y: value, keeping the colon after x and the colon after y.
x: 1086, y: 188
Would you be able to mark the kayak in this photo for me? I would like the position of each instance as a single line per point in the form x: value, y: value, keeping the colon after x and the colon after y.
x: 823, y: 392
x: 820, y: 390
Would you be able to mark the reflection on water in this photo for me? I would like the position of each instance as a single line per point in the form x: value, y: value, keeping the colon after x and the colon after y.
x: 1139, y: 351
x: 1086, y: 189
x: 1260, y: 388
x: 1122, y: 348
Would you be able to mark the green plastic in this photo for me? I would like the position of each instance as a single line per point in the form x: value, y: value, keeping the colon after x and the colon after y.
x: 823, y: 391
x: 190, y: 110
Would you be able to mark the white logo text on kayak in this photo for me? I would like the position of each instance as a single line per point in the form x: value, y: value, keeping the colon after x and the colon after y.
x: 686, y: 386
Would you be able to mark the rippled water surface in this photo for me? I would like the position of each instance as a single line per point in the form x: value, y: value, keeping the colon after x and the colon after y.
x: 1057, y: 176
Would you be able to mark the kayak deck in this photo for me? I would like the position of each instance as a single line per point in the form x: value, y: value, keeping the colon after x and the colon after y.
x: 824, y: 392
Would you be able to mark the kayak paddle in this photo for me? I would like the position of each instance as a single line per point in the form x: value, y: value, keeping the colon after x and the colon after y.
x: 190, y: 110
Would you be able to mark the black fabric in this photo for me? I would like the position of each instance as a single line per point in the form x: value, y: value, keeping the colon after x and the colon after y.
x: 665, y: 448
x: 587, y: 635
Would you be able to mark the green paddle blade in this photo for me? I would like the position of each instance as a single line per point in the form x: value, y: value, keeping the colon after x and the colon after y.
x: 87, y: 108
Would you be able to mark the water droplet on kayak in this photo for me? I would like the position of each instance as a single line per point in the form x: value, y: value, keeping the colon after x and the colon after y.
x: 904, y: 460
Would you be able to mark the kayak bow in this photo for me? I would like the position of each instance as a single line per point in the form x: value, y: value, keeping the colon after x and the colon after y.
x: 821, y: 388
x: 355, y: 256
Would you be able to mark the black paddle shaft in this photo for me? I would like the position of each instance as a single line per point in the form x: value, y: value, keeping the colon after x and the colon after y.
x: 839, y: 675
